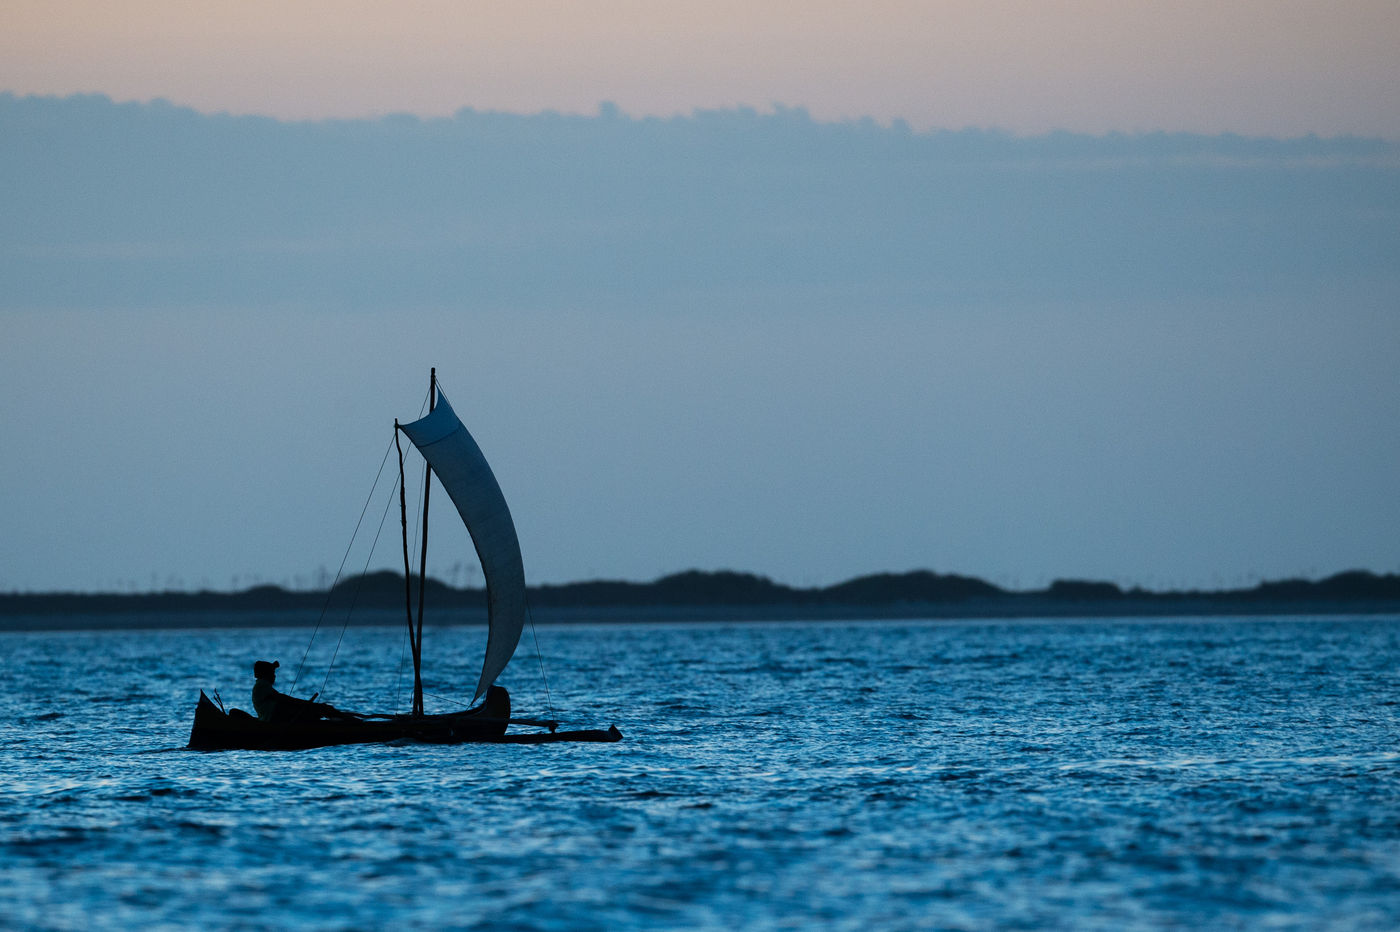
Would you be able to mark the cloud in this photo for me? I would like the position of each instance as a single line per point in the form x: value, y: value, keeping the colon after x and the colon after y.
x: 139, y: 205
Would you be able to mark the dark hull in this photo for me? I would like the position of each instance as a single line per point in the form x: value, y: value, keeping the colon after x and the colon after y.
x: 214, y: 730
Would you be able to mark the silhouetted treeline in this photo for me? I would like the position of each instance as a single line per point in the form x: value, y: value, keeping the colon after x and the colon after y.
x: 883, y: 594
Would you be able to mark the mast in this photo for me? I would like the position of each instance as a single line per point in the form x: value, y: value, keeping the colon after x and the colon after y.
x: 423, y: 562
x: 407, y: 576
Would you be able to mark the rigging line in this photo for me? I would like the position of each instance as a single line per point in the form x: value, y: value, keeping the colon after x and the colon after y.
x: 396, y: 690
x: 539, y: 655
x: 418, y: 508
x: 358, y: 584
x: 449, y: 699
x: 412, y: 566
x: 325, y: 605
x: 398, y: 674
x: 417, y: 523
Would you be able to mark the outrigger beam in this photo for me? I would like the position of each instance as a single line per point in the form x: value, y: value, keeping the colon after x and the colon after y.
x: 537, y: 722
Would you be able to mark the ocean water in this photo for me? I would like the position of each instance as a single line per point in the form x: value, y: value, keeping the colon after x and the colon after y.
x: 894, y: 775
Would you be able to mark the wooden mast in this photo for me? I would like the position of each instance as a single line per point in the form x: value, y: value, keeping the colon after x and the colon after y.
x: 423, y: 562
x: 407, y: 575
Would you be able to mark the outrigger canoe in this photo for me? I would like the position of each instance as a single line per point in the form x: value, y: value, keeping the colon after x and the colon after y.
x: 218, y: 730
x: 452, y: 455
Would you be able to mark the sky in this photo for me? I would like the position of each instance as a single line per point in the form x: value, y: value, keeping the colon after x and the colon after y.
x: 1257, y: 67
x: 746, y: 318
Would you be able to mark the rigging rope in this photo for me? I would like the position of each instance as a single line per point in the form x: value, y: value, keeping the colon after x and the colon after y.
x: 409, y: 560
x: 403, y: 647
x: 340, y: 569
x: 448, y: 699
x: 539, y: 655
x: 398, y: 673
x: 356, y: 598
x: 325, y: 606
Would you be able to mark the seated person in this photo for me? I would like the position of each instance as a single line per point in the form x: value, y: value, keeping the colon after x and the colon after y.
x: 273, y: 706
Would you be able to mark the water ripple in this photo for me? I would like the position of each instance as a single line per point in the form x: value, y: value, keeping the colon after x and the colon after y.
x: 1095, y: 775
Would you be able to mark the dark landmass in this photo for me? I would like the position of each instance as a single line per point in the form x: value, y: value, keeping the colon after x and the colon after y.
x: 378, y: 598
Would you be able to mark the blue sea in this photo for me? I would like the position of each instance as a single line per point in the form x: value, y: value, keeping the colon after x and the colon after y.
x: 1095, y: 774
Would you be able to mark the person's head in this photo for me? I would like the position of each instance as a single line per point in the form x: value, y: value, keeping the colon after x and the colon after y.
x: 263, y: 670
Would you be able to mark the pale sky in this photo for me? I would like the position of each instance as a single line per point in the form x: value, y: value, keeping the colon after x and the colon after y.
x: 1256, y: 67
x: 761, y: 343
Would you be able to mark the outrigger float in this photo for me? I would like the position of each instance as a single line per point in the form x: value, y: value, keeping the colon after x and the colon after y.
x: 453, y: 456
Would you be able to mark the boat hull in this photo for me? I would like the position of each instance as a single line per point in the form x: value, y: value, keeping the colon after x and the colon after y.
x: 216, y: 730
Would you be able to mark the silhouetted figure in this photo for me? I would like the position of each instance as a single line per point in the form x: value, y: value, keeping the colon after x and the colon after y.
x: 280, y: 708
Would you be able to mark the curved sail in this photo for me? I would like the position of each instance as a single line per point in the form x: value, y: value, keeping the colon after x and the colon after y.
x: 463, y: 472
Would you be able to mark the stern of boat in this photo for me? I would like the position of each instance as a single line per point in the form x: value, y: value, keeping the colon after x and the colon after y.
x: 497, y: 704
x: 207, y: 721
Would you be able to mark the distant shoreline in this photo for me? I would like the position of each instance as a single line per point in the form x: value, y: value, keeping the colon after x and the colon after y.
x: 378, y: 599
x: 736, y: 614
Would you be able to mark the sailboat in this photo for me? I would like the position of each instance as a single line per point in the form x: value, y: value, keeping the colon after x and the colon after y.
x: 454, y: 457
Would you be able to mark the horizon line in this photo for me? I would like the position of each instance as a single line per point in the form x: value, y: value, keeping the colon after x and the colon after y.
x: 1126, y: 589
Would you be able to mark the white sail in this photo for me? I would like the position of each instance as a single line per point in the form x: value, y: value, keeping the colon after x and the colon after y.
x: 463, y: 472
